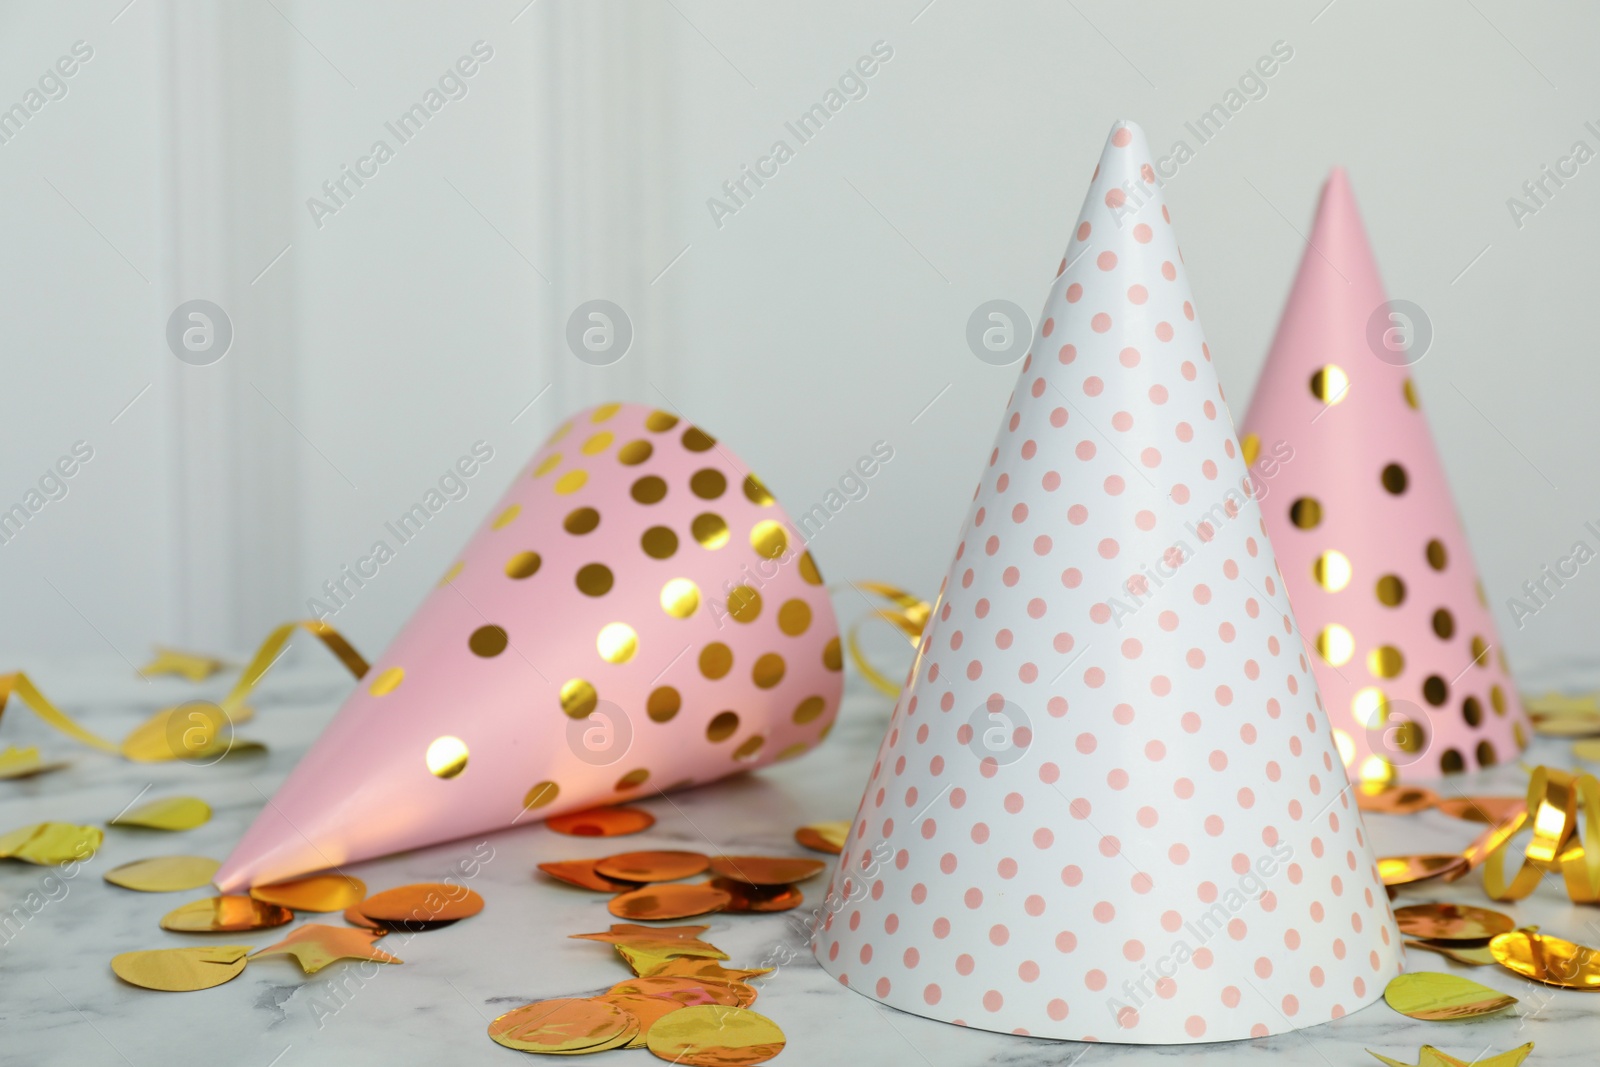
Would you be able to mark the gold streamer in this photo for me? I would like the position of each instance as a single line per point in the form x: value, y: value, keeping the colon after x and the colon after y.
x: 909, y: 615
x: 29, y: 694
x: 1563, y: 842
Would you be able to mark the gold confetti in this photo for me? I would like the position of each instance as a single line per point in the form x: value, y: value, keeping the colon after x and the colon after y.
x: 1491, y: 810
x: 670, y: 901
x: 581, y: 873
x: 1546, y: 959
x: 825, y: 836
x: 1560, y: 704
x: 767, y: 870
x: 715, y: 1036
x: 1567, y: 725
x: 354, y: 917
x: 314, y: 946
x: 688, y: 990
x: 1588, y: 751
x: 320, y: 892
x: 1431, y: 996
x: 169, y: 813
x: 652, y: 866
x: 649, y: 949
x: 747, y: 898
x: 564, y: 1025
x: 646, y: 1011
x: 1397, y: 871
x: 1382, y: 799
x: 181, y: 970
x: 602, y: 822
x: 50, y: 843
x: 25, y: 763
x: 1451, y: 922
x: 190, y: 665
x: 424, y: 902
x: 1432, y: 1057
x: 164, y: 874
x: 693, y: 967
x: 230, y: 913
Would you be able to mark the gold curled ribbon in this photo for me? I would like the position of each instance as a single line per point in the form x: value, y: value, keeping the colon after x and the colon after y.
x: 1563, y: 811
x: 29, y: 694
x: 909, y: 615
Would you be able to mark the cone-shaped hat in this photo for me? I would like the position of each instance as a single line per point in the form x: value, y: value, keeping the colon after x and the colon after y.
x: 636, y: 614
x: 1383, y: 583
x: 1109, y: 805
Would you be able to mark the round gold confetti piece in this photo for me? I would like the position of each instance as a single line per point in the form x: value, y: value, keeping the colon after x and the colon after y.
x: 1471, y: 955
x: 488, y: 641
x: 645, y: 1010
x: 1432, y: 996
x: 679, y: 598
x: 686, y: 990
x: 1332, y: 570
x: 571, y: 482
x: 387, y: 681
x: 767, y: 870
x: 168, y: 813
x: 1335, y: 644
x: 507, y: 517
x: 582, y: 874
x: 712, y: 1036
x: 1306, y: 512
x: 616, y: 642
x: 663, y: 703
x: 1438, y: 558
x: 1546, y: 959
x: 1394, y: 799
x: 1444, y: 624
x: 1397, y: 871
x: 581, y: 521
x: 1394, y: 478
x: 668, y: 901
x: 423, y: 902
x: 1451, y: 922
x: 564, y: 1026
x: 1385, y: 661
x: 808, y: 709
x: 1491, y: 810
x: 164, y: 874
x: 602, y: 822
x: 181, y: 970
x: 1330, y: 384
x: 660, y: 421
x: 659, y: 542
x: 447, y: 756
x: 652, y: 866
x: 716, y: 660
x: 826, y: 837
x: 794, y: 617
x: 756, y: 492
x: 594, y: 579
x: 320, y: 892
x: 744, y: 604
x: 649, y: 490
x: 758, y: 899
x: 634, y: 452
x: 708, y: 483
x: 523, y: 565
x: 709, y: 529
x: 232, y: 913
x: 768, y: 671
x: 1391, y: 591
x: 769, y: 539
x: 697, y: 440
x: 578, y: 698
x: 722, y: 725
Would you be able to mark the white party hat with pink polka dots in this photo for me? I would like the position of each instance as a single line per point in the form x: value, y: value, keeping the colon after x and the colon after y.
x: 1109, y: 806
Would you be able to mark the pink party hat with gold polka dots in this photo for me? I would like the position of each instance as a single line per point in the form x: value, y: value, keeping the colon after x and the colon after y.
x: 636, y: 614
x: 1109, y: 805
x: 1384, y: 585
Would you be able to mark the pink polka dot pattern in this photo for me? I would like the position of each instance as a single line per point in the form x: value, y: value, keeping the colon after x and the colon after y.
x: 634, y: 570
x: 1415, y: 683
x: 1174, y: 822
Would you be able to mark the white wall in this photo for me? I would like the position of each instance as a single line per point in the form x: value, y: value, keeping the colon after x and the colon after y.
x: 823, y: 316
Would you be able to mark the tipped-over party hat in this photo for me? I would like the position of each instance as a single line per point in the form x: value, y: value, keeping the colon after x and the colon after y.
x: 1383, y: 582
x: 1109, y: 805
x: 636, y: 614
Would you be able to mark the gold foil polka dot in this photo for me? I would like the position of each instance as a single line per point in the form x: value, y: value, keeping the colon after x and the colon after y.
x: 1332, y: 570
x: 756, y: 492
x: 523, y: 565
x: 1435, y: 691
x: 833, y: 655
x: 649, y: 489
x: 1394, y: 478
x: 1391, y: 590
x: 616, y: 642
x: 1438, y: 558
x: 1480, y: 652
x: 744, y: 604
x: 660, y: 422
x: 1385, y: 661
x: 450, y: 575
x: 1378, y: 769
x: 663, y: 703
x: 809, y: 708
x: 709, y: 529
x: 722, y: 726
x: 541, y: 795
x: 768, y: 671
x: 1497, y: 699
x: 679, y: 598
x: 633, y: 779
x: 1330, y: 384
x: 1450, y: 762
x: 790, y: 751
x: 578, y: 698
x: 1335, y: 644
x: 1472, y: 711
x: 659, y: 542
x: 708, y: 483
x: 1370, y: 707
x: 1409, y: 736
x: 548, y: 464
x: 488, y: 641
x: 634, y: 452
x: 1306, y: 512
x: 1444, y: 624
x: 594, y: 579
x: 1346, y: 746
x: 749, y: 747
x: 697, y: 440
x: 1487, y: 757
x: 604, y: 412
x: 581, y: 520
x: 794, y: 617
x: 1409, y: 389
x: 447, y: 757
x: 387, y: 681
x: 769, y: 539
x: 716, y: 659
x: 808, y: 569
x: 598, y: 443
x: 571, y: 482
x: 506, y: 517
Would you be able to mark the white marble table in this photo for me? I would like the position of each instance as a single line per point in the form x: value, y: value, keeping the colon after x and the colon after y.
x: 60, y: 1003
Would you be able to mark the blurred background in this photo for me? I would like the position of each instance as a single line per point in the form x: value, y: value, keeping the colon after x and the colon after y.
x: 372, y: 315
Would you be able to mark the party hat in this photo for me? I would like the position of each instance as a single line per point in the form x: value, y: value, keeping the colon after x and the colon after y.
x: 1109, y: 805
x: 635, y: 615
x: 1384, y: 585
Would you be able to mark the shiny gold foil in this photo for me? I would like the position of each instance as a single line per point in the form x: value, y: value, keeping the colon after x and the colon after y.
x: 824, y: 836
x: 767, y: 870
x: 423, y: 902
x: 167, y: 813
x: 581, y: 873
x: 226, y: 913
x: 564, y: 1025
x: 669, y: 901
x: 181, y: 970
x: 716, y: 1036
x: 1432, y: 1057
x: 50, y: 843
x: 1451, y: 922
x: 1394, y: 799
x: 689, y: 990
x: 164, y: 874
x: 652, y: 866
x: 1398, y: 871
x: 602, y: 822
x: 1546, y: 959
x: 314, y: 946
x: 744, y: 897
x: 320, y: 892
x: 1433, y: 997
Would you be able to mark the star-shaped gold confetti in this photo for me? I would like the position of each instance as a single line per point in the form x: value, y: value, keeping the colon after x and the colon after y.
x: 314, y: 946
x: 190, y: 665
x: 1432, y: 1057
